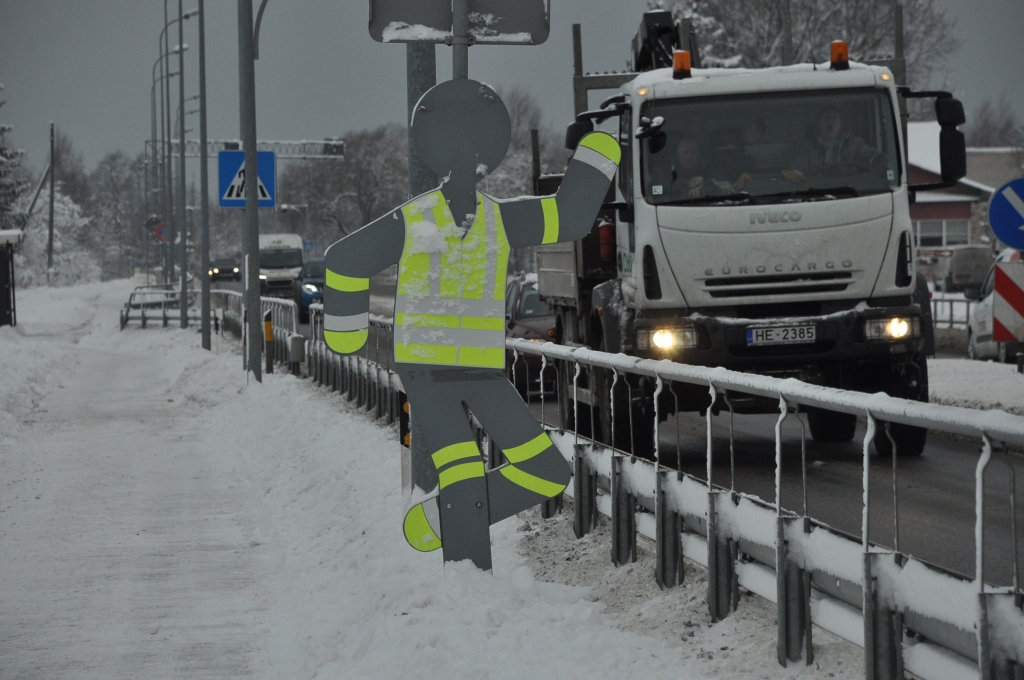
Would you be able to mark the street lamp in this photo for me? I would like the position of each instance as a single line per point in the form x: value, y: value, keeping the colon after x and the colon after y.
x: 158, y: 166
x: 168, y: 188
x: 287, y: 207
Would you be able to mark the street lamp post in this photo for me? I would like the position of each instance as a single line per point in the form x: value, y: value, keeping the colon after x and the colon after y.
x: 251, y: 230
x: 204, y: 247
x: 183, y: 299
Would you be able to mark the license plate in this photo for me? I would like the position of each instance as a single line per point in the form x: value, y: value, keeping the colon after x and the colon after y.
x: 781, y: 335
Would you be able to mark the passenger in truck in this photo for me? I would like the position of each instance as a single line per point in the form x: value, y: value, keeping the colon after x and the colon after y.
x: 828, y: 148
x: 691, y: 178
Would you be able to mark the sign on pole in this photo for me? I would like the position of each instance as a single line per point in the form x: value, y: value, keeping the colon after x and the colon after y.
x: 491, y: 22
x: 1008, y: 305
x: 159, y: 233
x: 1006, y: 213
x: 231, y: 169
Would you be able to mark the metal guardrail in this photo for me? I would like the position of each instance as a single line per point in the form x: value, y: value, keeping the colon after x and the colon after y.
x: 284, y: 317
x: 951, y: 312
x: 908, y: 614
x: 156, y: 303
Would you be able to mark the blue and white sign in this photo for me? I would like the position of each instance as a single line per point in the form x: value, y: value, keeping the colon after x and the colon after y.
x: 231, y: 167
x: 1006, y: 213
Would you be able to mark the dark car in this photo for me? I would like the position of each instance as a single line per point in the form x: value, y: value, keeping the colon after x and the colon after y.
x: 309, y: 286
x: 528, y: 317
x: 224, y: 268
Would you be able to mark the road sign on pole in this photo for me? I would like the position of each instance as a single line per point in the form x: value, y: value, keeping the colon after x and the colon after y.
x: 231, y: 169
x: 1006, y: 213
x: 1008, y: 305
x: 491, y: 22
x: 159, y: 233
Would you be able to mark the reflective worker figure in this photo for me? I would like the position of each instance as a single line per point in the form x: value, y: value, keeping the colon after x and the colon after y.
x: 451, y: 246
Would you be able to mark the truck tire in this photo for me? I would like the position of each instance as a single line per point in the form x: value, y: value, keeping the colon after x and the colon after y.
x: 909, y: 440
x: 831, y: 426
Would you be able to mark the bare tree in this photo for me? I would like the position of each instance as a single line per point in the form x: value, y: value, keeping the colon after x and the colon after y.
x: 749, y: 33
x: 994, y: 123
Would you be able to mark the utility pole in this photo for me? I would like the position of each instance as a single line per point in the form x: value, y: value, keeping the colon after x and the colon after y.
x: 183, y: 229
x: 251, y: 228
x: 49, y: 243
x: 168, y: 178
x: 204, y: 181
x: 787, y: 33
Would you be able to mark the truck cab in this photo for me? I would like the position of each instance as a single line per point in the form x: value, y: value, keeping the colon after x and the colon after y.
x: 762, y: 224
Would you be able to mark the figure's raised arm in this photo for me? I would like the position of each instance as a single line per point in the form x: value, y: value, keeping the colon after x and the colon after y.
x: 569, y: 214
x: 350, y: 264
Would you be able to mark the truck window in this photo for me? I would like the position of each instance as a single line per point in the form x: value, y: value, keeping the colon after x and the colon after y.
x: 280, y: 258
x: 771, y: 147
x: 626, y: 166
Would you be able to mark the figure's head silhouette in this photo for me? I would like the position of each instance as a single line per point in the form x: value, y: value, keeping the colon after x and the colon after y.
x: 461, y: 130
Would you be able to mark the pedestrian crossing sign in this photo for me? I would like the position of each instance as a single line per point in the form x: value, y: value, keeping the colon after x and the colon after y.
x: 231, y: 169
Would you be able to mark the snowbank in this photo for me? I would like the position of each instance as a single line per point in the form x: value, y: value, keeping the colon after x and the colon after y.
x: 976, y: 384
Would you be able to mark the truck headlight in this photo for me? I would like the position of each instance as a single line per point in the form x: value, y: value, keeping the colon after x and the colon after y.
x: 263, y: 277
x: 667, y: 339
x: 216, y: 271
x: 892, y: 328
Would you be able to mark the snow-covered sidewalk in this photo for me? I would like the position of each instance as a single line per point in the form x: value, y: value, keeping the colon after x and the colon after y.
x: 161, y: 518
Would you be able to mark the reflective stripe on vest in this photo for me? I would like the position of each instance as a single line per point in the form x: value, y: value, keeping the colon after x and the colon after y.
x: 450, y: 303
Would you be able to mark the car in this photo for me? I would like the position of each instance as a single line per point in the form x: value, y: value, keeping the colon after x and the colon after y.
x: 964, y: 266
x: 979, y: 324
x: 224, y: 268
x: 308, y: 287
x: 530, y: 318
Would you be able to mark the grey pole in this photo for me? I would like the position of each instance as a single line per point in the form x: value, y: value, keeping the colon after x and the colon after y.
x: 204, y: 181
x: 168, y: 178
x: 251, y: 230
x: 49, y: 243
x: 460, y: 39
x: 183, y: 299
x: 421, y: 75
x: 787, y: 32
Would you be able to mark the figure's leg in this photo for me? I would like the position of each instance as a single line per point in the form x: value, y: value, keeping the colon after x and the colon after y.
x: 536, y: 470
x: 462, y: 505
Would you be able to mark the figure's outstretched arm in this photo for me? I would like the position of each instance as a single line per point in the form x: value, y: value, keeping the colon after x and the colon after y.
x: 350, y: 264
x: 569, y: 214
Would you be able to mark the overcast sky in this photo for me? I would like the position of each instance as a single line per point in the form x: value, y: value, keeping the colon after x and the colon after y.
x: 87, y: 66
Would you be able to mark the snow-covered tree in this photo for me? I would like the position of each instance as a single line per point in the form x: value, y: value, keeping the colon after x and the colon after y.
x: 12, y: 184
x: 749, y: 33
x: 73, y: 262
x: 115, y: 210
x: 994, y: 123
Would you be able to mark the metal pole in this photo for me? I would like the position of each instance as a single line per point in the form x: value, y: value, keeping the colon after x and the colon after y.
x: 49, y: 243
x: 787, y: 32
x: 183, y: 301
x: 251, y: 230
x: 168, y: 179
x: 460, y: 39
x: 420, y: 76
x: 204, y: 181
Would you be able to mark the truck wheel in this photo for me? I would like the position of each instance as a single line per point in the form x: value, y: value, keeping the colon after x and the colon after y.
x: 1005, y: 355
x: 909, y: 440
x: 831, y: 426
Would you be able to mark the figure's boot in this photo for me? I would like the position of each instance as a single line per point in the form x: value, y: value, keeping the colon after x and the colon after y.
x: 422, y: 524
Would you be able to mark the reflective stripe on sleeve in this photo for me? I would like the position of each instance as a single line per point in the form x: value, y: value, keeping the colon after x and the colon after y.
x: 523, y: 452
x: 530, y: 482
x: 346, y: 284
x: 346, y: 342
x: 604, y: 144
x: 462, y: 472
x: 354, y: 322
x: 550, y: 208
x: 455, y: 452
x: 597, y: 160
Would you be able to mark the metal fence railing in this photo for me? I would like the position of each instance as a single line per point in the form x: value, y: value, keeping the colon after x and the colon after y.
x: 156, y: 304
x: 284, y: 317
x: 951, y: 312
x: 908, y: 614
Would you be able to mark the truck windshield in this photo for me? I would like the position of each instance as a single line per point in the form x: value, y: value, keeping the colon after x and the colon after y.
x: 770, y: 147
x: 280, y: 258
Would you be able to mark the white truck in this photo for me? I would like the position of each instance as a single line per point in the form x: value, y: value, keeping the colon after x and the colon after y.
x: 281, y: 260
x: 761, y: 223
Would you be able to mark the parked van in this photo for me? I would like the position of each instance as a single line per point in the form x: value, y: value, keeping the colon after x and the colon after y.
x: 966, y: 266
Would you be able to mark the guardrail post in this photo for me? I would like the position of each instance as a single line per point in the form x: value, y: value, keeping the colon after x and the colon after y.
x: 793, y: 602
x: 722, y: 584
x: 883, y: 627
x: 623, y: 515
x: 668, y: 569
x: 296, y: 352
x: 584, y: 486
x: 268, y: 340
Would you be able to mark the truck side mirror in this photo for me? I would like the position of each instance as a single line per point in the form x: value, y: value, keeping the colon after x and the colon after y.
x: 576, y: 131
x: 972, y: 293
x: 949, y: 112
x: 952, y: 154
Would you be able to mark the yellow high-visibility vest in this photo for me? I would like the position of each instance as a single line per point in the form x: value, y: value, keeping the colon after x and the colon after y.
x: 450, y: 305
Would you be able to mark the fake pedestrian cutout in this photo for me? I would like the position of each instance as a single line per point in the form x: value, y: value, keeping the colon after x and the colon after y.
x: 451, y: 246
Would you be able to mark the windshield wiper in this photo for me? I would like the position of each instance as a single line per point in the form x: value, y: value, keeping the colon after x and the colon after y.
x: 720, y: 199
x: 830, y: 193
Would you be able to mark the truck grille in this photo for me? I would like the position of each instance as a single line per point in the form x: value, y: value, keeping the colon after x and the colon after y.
x: 782, y: 284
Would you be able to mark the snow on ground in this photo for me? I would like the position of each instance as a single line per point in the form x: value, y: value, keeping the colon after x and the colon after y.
x: 160, y: 517
x: 976, y: 384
